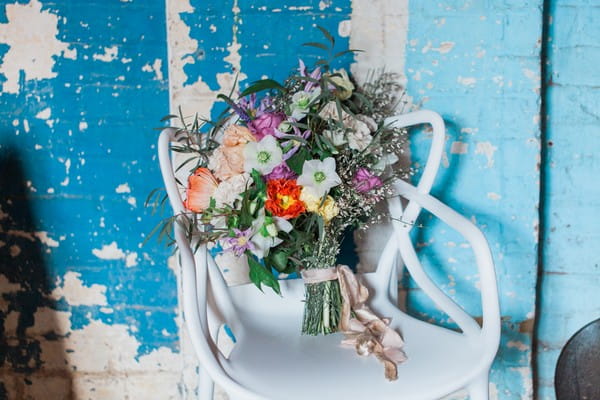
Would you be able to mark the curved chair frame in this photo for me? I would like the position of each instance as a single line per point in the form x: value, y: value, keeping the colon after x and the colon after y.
x: 207, y: 303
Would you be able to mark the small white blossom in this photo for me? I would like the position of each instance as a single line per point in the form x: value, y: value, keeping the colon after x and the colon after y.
x: 262, y: 156
x: 337, y: 137
x: 265, y: 230
x: 319, y: 176
x: 301, y: 102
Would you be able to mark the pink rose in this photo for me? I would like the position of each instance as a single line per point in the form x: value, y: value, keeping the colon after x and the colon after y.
x: 265, y: 124
x: 228, y: 159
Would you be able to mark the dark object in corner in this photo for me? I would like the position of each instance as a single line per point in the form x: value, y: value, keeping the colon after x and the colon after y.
x: 578, y: 369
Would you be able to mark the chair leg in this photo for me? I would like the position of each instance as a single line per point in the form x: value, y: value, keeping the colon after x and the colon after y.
x: 206, y: 385
x: 479, y: 387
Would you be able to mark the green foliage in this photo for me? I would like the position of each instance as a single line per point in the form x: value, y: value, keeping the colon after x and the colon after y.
x: 259, y: 275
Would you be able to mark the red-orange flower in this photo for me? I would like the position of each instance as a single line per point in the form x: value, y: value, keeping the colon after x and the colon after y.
x: 283, y: 198
x: 201, y: 186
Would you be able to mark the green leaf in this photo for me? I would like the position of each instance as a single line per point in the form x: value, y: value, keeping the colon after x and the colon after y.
x: 168, y: 117
x: 258, y: 180
x: 259, y: 275
x: 341, y: 53
x: 296, y: 138
x: 321, y: 223
x: 297, y: 160
x: 327, y: 35
x: 279, y: 260
x: 317, y: 45
x: 263, y: 84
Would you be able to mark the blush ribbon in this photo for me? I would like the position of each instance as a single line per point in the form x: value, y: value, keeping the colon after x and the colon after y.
x: 362, y: 329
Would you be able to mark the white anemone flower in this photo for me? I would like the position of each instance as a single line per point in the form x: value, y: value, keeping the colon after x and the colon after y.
x: 301, y: 102
x: 265, y: 233
x: 319, y: 176
x: 262, y: 156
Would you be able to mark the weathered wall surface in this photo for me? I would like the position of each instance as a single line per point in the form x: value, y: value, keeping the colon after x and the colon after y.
x: 86, y: 312
x: 83, y: 308
x: 477, y: 64
x: 571, y: 273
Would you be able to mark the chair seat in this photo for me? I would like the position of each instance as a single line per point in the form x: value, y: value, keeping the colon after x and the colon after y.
x: 270, y: 354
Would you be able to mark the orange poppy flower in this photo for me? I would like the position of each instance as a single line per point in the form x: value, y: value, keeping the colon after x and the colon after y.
x: 201, y: 186
x: 283, y: 198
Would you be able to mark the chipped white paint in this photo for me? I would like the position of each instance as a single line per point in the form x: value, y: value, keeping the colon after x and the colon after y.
x: 444, y: 47
x: 131, y: 259
x: 44, y: 114
x: 493, y: 196
x: 109, y: 252
x: 155, y: 67
x: 110, y: 54
x: 517, y: 345
x: 345, y: 28
x: 197, y: 96
x: 67, y: 162
x: 32, y: 51
x: 386, y: 47
x: 83, y: 126
x: 46, y: 320
x: 467, y: 81
x: 6, y: 286
x: 132, y: 201
x: 72, y: 289
x: 487, y: 149
x: 123, y: 188
x: 46, y: 239
x: 459, y: 148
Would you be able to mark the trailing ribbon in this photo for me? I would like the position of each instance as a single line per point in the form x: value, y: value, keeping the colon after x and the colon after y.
x: 364, y: 330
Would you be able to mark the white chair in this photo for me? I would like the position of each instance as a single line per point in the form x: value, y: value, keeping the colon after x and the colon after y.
x: 272, y: 360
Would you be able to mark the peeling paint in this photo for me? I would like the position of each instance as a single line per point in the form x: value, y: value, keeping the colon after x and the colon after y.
x: 32, y: 51
x: 72, y: 289
x: 386, y: 47
x: 488, y: 150
x: 109, y: 252
x: 123, y: 188
x: 110, y: 54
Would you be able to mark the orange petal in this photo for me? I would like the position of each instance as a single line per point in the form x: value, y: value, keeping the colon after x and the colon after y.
x: 201, y: 186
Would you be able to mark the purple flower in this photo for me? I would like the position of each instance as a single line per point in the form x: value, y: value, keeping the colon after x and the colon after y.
x: 282, y: 171
x: 364, y: 180
x: 316, y: 74
x: 239, y: 243
x: 266, y: 124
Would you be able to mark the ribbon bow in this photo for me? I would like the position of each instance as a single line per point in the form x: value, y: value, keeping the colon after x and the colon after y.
x: 362, y: 329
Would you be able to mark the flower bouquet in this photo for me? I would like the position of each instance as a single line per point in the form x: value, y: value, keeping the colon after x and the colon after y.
x: 280, y: 178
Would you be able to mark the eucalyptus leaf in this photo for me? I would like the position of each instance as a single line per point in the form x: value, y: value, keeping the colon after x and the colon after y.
x: 327, y: 35
x: 317, y: 45
x: 263, y: 84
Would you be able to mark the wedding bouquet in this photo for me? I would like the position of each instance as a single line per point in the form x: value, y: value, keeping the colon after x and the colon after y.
x: 280, y: 179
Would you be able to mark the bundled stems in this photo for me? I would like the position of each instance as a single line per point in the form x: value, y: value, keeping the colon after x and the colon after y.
x: 323, y: 303
x: 322, y: 308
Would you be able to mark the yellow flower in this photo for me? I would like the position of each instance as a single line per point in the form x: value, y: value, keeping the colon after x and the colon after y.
x: 328, y: 210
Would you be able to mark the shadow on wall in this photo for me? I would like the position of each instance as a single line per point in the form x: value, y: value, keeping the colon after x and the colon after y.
x: 32, y: 357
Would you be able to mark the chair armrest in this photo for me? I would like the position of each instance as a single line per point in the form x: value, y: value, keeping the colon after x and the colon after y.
x: 194, y: 279
x: 490, y: 331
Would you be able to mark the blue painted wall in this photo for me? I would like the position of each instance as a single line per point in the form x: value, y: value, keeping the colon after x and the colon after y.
x: 571, y: 273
